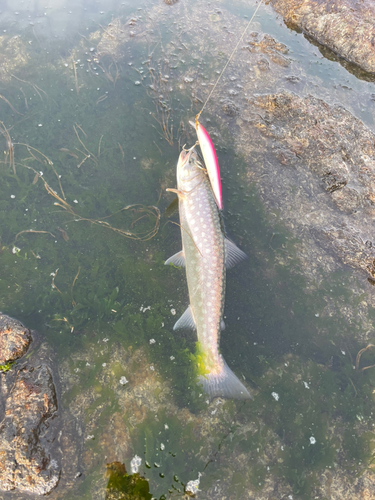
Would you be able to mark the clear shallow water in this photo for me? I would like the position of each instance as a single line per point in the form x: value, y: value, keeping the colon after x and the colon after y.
x: 107, y: 304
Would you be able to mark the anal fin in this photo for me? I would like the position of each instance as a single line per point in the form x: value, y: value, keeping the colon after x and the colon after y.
x: 186, y: 320
x: 178, y: 259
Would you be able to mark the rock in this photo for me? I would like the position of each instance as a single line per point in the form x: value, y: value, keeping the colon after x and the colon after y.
x: 229, y: 107
x: 25, y: 464
x: 345, y: 26
x: 328, y: 148
x: 34, y: 444
x: 266, y: 44
x: 14, y: 339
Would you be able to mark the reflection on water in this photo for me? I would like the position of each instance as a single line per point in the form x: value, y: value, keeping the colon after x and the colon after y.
x: 57, y: 19
x: 95, y: 103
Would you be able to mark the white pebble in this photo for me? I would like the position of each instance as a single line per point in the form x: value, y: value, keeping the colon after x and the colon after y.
x: 135, y: 463
x: 192, y: 486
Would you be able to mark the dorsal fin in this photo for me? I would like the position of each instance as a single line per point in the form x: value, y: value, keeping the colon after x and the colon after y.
x: 233, y: 255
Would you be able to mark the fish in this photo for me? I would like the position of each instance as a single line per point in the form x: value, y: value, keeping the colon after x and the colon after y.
x: 206, y: 253
x: 211, y: 161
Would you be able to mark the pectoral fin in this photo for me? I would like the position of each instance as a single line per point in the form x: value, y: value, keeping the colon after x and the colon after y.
x: 180, y: 194
x: 233, y: 255
x: 186, y: 321
x: 172, y: 208
x: 178, y: 259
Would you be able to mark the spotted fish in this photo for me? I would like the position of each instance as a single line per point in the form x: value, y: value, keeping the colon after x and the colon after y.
x: 206, y: 254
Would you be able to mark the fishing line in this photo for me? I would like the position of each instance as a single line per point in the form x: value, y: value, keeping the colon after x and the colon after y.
x: 230, y: 57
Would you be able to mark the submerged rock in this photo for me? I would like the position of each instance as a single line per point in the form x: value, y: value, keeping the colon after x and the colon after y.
x: 27, y: 403
x: 325, y: 150
x: 24, y: 462
x: 14, y: 339
x: 229, y: 107
x: 266, y: 44
x: 345, y: 26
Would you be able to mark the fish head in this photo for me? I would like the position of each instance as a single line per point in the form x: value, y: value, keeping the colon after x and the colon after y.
x: 190, y: 170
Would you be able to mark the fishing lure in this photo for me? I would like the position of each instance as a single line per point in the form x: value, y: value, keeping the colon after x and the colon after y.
x: 210, y: 160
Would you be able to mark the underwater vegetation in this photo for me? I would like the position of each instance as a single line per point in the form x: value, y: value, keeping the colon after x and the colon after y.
x: 6, y: 367
x: 123, y: 486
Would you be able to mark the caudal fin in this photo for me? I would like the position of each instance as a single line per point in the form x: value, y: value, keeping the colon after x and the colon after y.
x: 224, y: 384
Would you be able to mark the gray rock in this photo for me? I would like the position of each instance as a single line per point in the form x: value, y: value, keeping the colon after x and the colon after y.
x: 322, y: 144
x: 229, y: 107
x: 345, y: 26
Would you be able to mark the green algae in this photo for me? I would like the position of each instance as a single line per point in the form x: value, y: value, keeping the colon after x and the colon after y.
x: 6, y: 367
x: 199, y: 360
x: 123, y: 486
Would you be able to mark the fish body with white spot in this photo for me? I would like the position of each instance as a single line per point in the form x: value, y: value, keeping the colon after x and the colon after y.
x: 205, y: 253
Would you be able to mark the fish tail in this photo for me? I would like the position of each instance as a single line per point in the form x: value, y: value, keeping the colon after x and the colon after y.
x: 224, y: 384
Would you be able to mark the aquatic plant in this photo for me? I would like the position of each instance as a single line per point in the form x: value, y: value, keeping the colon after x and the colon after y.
x: 6, y: 366
x: 126, y: 486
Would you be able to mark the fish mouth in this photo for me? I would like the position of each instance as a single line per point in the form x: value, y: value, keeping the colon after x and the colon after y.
x: 184, y: 157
